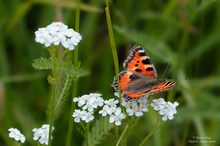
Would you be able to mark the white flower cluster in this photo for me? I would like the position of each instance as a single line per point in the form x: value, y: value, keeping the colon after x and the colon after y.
x: 113, y: 111
x: 139, y: 106
x: 16, y: 134
x: 58, y: 33
x: 135, y: 107
x: 88, y: 104
x: 166, y: 109
x: 42, y: 134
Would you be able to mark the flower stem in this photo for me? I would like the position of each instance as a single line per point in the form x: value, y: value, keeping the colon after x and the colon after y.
x: 75, y: 82
x: 122, y: 135
x: 70, y: 128
x: 111, y: 37
x: 151, y: 133
x: 113, y: 47
x: 52, y: 51
x: 17, y: 143
x: 87, y: 134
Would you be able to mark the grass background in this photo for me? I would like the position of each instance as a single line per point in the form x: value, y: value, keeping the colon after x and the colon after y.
x: 184, y: 33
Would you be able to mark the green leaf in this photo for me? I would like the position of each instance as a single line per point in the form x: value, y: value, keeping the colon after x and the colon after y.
x: 99, y: 130
x: 76, y: 72
x: 42, y: 64
x: 81, y: 72
x: 65, y: 86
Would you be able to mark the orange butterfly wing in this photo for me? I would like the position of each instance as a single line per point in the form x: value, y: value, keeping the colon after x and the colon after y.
x: 140, y: 77
x: 139, y: 62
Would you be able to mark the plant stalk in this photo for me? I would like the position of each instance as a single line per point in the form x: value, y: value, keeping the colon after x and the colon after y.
x: 75, y: 82
x: 52, y: 51
x: 151, y: 133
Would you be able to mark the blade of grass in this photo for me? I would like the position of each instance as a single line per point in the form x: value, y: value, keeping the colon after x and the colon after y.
x: 122, y: 135
x: 75, y: 82
x: 111, y: 37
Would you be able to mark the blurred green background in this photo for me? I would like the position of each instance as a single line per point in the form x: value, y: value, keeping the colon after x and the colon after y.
x: 182, y: 33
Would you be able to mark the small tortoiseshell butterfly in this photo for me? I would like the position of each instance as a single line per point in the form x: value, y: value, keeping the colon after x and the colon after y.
x: 140, y: 77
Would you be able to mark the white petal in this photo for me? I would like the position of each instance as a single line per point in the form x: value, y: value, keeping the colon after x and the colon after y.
x: 111, y: 119
x: 164, y: 118
x: 117, y: 122
x: 77, y: 119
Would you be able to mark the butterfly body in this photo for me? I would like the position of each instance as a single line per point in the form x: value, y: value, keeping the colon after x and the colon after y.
x: 140, y: 77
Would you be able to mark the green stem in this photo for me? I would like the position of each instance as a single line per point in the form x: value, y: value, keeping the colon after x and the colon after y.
x: 122, y: 135
x: 87, y: 134
x: 17, y: 143
x: 52, y: 51
x: 75, y: 82
x: 151, y: 133
x: 114, y: 49
x: 77, y: 20
x: 70, y: 129
x: 116, y: 132
x: 111, y: 37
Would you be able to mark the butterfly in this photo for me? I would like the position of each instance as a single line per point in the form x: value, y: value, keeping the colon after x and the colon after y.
x: 140, y: 76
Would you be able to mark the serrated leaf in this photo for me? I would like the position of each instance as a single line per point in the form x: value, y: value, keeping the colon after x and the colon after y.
x: 42, y: 64
x: 69, y: 69
x: 81, y: 72
x: 77, y: 72
x: 65, y: 86
x: 99, y: 130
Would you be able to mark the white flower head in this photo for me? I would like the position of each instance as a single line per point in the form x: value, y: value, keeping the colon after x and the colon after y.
x: 58, y: 33
x: 105, y: 110
x: 89, y: 101
x: 109, y: 107
x: 87, y: 116
x: 158, y: 104
x: 16, y: 134
x: 111, y: 102
x: 42, y: 134
x: 82, y: 115
x: 166, y: 109
x: 136, y: 107
x: 116, y: 117
x: 77, y: 115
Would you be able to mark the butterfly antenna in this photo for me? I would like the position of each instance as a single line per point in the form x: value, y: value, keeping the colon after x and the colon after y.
x: 166, y: 69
